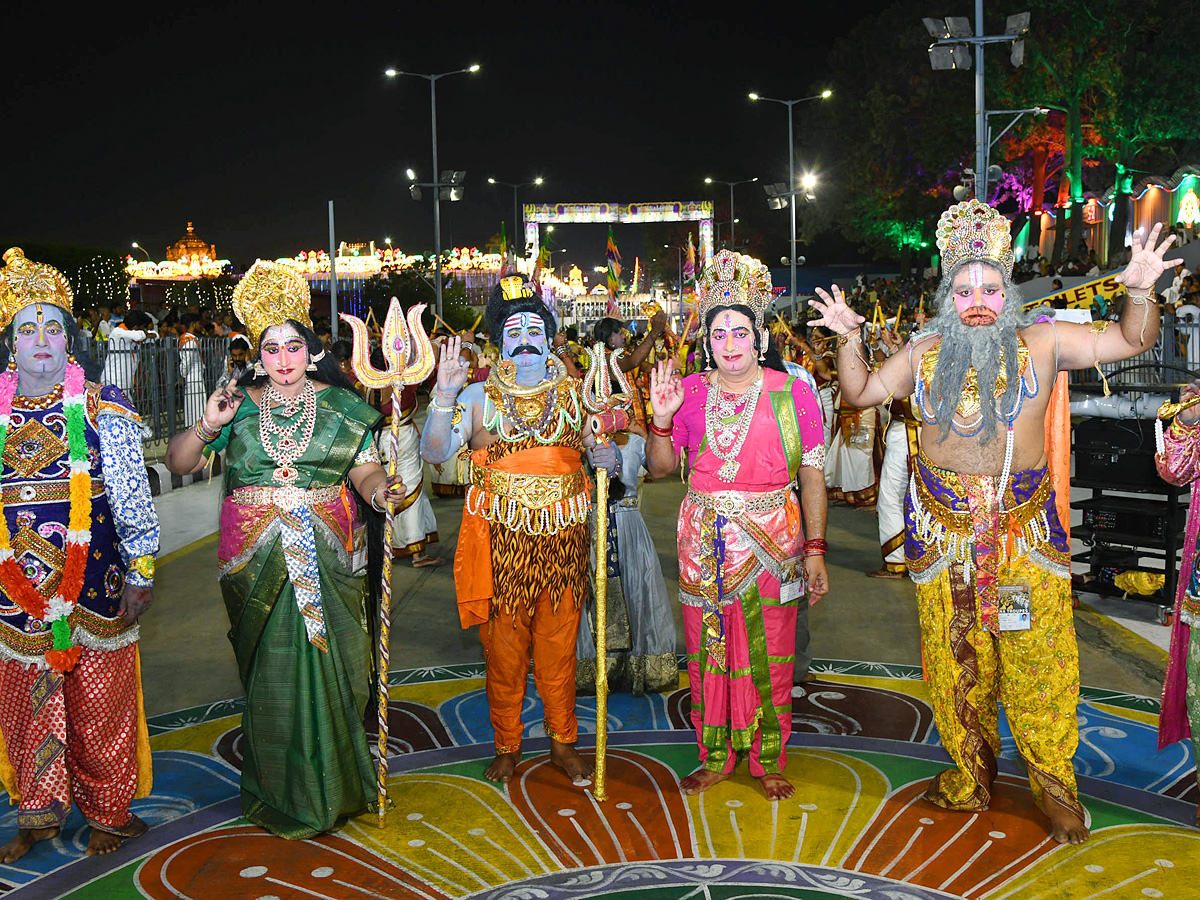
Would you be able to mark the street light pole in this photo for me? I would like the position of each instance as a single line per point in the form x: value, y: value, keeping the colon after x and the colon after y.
x: 437, y: 178
x: 732, y: 220
x: 824, y: 95
x: 516, y: 210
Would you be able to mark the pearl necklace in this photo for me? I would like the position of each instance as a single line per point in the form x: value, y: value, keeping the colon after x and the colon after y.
x: 726, y: 440
x: 287, y: 448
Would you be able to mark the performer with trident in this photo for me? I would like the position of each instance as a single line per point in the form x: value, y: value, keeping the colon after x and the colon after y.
x: 520, y: 570
x: 293, y: 574
x: 409, y: 356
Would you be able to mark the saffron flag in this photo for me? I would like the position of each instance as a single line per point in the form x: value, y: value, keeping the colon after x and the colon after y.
x: 614, y: 273
x: 543, y: 259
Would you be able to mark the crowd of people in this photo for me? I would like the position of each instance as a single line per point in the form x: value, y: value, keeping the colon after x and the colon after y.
x: 929, y: 400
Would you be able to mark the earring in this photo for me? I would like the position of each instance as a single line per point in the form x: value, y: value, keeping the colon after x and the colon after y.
x: 762, y: 355
x: 259, y: 371
x: 312, y: 365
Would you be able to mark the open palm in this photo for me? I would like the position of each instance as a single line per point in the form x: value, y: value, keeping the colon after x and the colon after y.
x: 1146, y: 261
x: 835, y: 314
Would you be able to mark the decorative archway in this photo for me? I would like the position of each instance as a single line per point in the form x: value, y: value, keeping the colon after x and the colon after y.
x: 539, y: 214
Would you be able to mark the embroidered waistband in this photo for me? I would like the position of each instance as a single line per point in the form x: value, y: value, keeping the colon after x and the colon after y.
x: 55, y: 491
x: 285, y: 497
x: 732, y: 504
x: 530, y: 491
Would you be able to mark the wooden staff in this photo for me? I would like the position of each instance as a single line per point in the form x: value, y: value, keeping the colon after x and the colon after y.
x: 684, y: 340
x: 601, y: 791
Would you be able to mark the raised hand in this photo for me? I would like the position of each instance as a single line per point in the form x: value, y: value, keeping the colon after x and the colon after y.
x: 223, y: 405
x: 1190, y: 415
x: 666, y: 392
x: 835, y: 314
x: 1146, y: 262
x: 452, y: 369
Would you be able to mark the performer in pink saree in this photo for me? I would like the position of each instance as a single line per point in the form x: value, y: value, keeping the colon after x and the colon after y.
x: 744, y: 565
x: 1178, y: 462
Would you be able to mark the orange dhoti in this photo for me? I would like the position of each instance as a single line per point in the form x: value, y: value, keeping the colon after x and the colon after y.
x: 519, y: 572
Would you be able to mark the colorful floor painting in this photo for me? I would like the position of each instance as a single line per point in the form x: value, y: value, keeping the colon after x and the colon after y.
x: 862, y: 753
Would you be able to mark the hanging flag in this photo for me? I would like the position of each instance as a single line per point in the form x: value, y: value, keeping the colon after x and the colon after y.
x: 543, y: 258
x: 614, y: 273
x: 689, y: 267
x: 637, y: 272
x: 503, y: 251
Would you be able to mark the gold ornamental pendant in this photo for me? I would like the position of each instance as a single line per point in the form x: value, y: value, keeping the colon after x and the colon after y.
x: 729, y: 470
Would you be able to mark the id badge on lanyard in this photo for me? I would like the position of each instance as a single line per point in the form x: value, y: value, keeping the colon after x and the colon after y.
x: 1016, y: 603
x: 794, y: 581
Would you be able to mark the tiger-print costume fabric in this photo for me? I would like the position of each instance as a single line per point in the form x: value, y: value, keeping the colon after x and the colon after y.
x: 523, y: 565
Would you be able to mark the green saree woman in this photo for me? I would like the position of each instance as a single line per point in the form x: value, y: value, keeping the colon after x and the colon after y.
x: 293, y: 567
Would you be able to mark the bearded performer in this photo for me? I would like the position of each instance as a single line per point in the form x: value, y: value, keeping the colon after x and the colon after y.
x: 750, y: 429
x: 984, y: 541
x: 1178, y: 462
x: 293, y: 572
x: 521, y: 568
x: 78, y: 536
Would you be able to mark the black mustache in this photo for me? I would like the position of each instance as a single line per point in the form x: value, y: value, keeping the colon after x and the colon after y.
x: 526, y: 348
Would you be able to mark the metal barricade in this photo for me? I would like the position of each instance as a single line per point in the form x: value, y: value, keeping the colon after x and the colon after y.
x: 166, y: 384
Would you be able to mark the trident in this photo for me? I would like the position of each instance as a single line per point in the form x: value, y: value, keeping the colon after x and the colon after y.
x: 610, y: 414
x: 410, y: 360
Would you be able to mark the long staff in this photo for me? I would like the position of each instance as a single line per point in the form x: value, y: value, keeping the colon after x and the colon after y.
x: 410, y: 359
x: 609, y: 415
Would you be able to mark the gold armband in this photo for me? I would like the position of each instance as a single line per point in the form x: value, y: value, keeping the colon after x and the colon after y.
x: 143, y: 565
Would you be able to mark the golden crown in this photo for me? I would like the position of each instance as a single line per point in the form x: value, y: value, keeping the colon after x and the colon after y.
x: 23, y: 281
x: 268, y: 294
x: 973, y: 230
x: 732, y: 278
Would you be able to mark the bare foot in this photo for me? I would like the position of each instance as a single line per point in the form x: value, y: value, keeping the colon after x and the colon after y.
x: 102, y: 842
x: 566, y: 758
x: 26, y: 838
x: 701, y: 780
x: 884, y: 573
x: 1066, y: 826
x: 776, y: 787
x: 502, y: 767
x: 423, y: 561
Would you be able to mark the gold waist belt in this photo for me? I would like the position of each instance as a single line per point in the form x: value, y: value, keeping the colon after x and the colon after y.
x: 531, y: 491
x: 732, y: 504
x: 960, y: 522
x: 50, y: 492
x: 285, y: 497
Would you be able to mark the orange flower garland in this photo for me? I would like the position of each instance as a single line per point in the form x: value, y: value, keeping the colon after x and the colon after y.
x: 56, y: 609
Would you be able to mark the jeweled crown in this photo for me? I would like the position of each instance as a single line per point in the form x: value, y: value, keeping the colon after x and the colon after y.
x: 23, y: 281
x: 268, y: 294
x: 733, y: 278
x: 973, y: 230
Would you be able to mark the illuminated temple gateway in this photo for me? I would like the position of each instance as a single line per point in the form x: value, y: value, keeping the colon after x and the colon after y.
x: 190, y: 250
x: 189, y: 257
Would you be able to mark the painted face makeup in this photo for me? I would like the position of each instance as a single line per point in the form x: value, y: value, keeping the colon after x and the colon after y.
x: 40, y: 341
x: 731, y: 341
x: 525, y: 340
x: 284, y: 354
x: 978, y: 294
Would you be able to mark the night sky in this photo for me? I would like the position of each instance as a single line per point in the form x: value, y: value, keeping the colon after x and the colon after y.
x: 246, y: 118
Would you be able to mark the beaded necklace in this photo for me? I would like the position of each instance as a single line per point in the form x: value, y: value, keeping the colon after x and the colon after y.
x: 725, y: 439
x: 287, y: 449
x: 56, y: 609
x: 542, y: 411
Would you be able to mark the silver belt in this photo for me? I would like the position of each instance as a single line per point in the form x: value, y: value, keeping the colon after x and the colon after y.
x: 737, y: 503
x: 285, y: 497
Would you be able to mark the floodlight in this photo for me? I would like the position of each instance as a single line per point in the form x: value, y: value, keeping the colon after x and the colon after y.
x: 1017, y: 24
x: 474, y: 68
x: 961, y: 55
x: 936, y: 28
x: 752, y: 95
x: 809, y: 181
x: 415, y: 192
x: 777, y: 203
x: 826, y: 94
x: 958, y: 26
x: 961, y: 192
x: 412, y: 176
x: 941, y: 58
x: 1018, y: 54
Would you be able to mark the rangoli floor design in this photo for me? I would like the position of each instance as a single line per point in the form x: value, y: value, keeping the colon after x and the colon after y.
x: 864, y: 747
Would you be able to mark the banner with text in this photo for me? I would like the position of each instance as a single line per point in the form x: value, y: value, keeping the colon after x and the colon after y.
x: 1098, y: 293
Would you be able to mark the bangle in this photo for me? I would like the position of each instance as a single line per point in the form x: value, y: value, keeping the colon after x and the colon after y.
x: 434, y: 405
x: 373, y: 494
x: 816, y: 547
x: 661, y: 432
x: 206, y: 432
